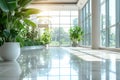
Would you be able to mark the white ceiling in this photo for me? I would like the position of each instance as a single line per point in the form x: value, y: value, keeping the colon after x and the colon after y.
x: 81, y: 3
x: 54, y: 7
x: 58, y: 4
x: 55, y: 1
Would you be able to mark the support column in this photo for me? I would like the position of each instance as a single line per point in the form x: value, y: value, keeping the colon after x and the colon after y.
x: 95, y: 24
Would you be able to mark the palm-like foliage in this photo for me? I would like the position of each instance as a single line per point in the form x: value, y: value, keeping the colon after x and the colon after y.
x: 46, y: 37
x: 14, y: 18
x: 76, y: 34
x: 8, y: 5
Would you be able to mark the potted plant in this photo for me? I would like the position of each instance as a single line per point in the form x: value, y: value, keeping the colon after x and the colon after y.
x: 76, y: 34
x: 46, y: 37
x: 14, y: 16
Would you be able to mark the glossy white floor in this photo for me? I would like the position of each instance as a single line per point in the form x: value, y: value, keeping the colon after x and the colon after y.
x: 62, y: 64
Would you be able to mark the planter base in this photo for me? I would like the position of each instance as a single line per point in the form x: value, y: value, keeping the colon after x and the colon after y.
x: 10, y: 51
x: 75, y: 44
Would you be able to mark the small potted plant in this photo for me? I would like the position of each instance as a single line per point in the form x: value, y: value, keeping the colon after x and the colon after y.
x: 76, y: 34
x: 14, y: 17
x: 46, y: 37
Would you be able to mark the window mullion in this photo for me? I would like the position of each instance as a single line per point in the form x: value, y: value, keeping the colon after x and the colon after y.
x: 117, y: 23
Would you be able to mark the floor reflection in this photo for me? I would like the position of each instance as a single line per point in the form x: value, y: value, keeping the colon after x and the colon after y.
x: 10, y: 70
x: 59, y: 64
x: 47, y: 64
x: 34, y: 63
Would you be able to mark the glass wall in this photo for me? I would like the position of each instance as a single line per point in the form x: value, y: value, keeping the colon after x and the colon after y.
x: 86, y: 23
x: 112, y: 22
x: 103, y: 23
x: 108, y: 23
x: 60, y: 23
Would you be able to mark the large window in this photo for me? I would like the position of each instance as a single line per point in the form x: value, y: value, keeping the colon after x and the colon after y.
x: 86, y: 23
x: 112, y: 22
x: 108, y: 23
x: 60, y: 23
x: 103, y: 23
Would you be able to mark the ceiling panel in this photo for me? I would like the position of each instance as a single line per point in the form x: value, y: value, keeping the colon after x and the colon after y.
x: 55, y: 1
x: 58, y: 4
x: 81, y: 3
x: 54, y: 7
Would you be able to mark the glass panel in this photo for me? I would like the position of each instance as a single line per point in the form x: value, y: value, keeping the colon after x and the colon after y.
x: 103, y: 38
x: 52, y: 78
x: 65, y: 78
x: 54, y: 20
x: 64, y: 20
x: 74, y: 72
x: 40, y: 78
x: 53, y: 13
x: 86, y: 24
x: 54, y: 72
x: 112, y: 36
x: 112, y: 12
x: 59, y: 22
x: 90, y: 39
x: 86, y: 39
x: 75, y: 78
x: 87, y: 10
x: 84, y: 14
x: 65, y: 13
x: 74, y: 13
x: 90, y: 24
x: 103, y: 17
x: 101, y: 1
x: 43, y: 13
x: 74, y: 20
x: 55, y: 35
x: 64, y: 35
x: 80, y: 18
x: 64, y: 28
x: 90, y: 6
x: 43, y: 20
x: 65, y: 71
x: 103, y: 24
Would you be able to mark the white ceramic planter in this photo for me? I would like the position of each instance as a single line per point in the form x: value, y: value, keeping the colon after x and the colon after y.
x: 10, y: 51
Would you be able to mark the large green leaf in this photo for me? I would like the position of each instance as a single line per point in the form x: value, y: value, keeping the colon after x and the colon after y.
x: 1, y: 41
x: 30, y: 11
x: 25, y: 13
x: 4, y: 6
x: 13, y: 33
x: 30, y: 23
x: 12, y: 4
x: 6, y: 34
x: 19, y: 25
x: 23, y: 3
x: 8, y: 5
